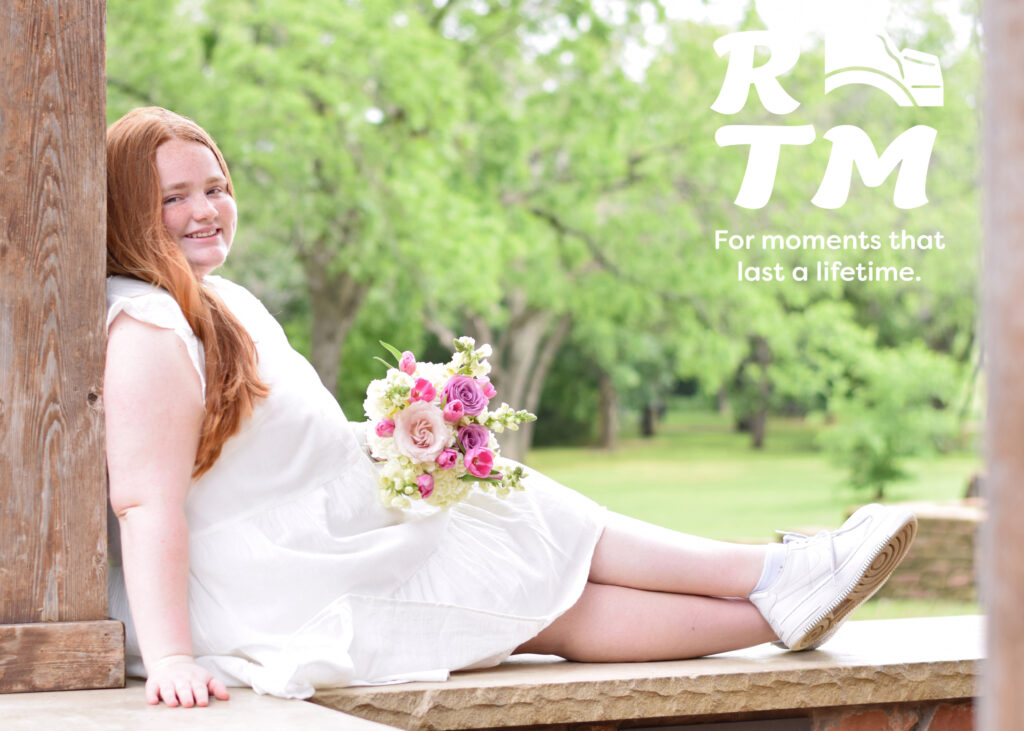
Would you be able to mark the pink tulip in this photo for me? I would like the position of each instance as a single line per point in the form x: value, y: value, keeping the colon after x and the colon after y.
x: 422, y: 390
x: 479, y: 462
x: 407, y: 364
x: 425, y: 483
x: 454, y: 411
x: 488, y: 388
x: 447, y: 459
x: 385, y: 427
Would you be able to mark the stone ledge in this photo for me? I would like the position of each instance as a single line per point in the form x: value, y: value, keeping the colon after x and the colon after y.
x: 126, y: 708
x: 866, y: 663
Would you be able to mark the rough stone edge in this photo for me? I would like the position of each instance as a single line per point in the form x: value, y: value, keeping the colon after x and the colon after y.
x: 524, y: 704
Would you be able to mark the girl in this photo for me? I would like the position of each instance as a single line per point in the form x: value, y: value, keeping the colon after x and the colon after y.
x: 255, y: 550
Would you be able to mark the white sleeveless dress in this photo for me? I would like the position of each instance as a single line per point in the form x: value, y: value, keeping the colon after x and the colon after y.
x: 300, y: 578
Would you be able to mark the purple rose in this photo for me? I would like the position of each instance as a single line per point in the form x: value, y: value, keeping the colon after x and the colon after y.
x: 468, y: 391
x: 473, y: 436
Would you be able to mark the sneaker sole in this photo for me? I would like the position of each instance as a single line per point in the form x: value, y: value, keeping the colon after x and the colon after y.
x: 881, y: 566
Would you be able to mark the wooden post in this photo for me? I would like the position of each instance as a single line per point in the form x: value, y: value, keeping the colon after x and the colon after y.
x: 54, y: 631
x: 1002, y: 703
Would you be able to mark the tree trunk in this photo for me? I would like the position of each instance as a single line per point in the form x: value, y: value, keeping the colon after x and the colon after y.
x: 520, y: 362
x: 335, y: 302
x: 757, y: 427
x: 649, y: 420
x: 755, y: 389
x: 608, y: 424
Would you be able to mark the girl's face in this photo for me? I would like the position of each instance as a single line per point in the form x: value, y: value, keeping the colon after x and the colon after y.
x: 198, y: 212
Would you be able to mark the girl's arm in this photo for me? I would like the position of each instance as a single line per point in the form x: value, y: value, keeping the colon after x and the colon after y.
x: 154, y: 412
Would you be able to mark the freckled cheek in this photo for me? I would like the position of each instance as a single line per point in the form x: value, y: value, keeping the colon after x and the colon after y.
x: 229, y: 214
x: 173, y: 224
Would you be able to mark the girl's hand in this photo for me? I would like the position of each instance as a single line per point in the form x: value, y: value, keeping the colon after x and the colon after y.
x: 178, y: 680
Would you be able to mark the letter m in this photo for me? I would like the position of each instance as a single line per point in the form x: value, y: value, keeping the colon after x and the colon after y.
x: 851, y: 146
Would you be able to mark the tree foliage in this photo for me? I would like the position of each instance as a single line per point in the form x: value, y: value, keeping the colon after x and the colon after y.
x: 411, y: 170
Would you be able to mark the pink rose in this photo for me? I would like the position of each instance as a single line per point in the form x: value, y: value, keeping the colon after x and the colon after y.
x: 425, y: 483
x: 385, y: 427
x: 422, y: 390
x: 407, y: 364
x: 454, y: 411
x: 468, y: 391
x: 488, y: 388
x: 420, y: 432
x: 447, y: 459
x: 479, y: 462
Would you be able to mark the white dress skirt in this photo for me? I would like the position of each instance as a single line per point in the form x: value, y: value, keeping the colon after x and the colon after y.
x: 300, y: 577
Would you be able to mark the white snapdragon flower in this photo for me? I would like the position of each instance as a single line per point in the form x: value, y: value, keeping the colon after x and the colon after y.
x: 458, y: 362
x: 481, y: 369
x: 375, y: 405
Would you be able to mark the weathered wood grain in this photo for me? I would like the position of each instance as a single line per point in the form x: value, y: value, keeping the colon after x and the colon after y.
x: 44, y: 656
x: 52, y: 259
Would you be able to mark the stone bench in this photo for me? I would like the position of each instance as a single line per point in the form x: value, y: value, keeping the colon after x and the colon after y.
x: 872, y: 676
x: 884, y: 675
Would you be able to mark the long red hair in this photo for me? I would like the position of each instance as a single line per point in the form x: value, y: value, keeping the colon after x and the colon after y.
x: 139, y: 246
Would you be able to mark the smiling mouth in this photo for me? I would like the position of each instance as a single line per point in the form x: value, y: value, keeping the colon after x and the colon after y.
x: 203, y: 234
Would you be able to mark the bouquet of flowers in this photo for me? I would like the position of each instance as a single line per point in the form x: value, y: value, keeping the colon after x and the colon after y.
x: 434, y: 431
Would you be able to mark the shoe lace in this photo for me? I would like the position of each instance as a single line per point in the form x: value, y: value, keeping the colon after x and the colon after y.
x: 823, y: 536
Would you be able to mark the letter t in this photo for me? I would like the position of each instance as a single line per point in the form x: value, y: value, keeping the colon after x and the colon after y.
x: 763, y: 162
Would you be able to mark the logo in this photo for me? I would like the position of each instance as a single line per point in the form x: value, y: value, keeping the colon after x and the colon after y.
x: 858, y: 50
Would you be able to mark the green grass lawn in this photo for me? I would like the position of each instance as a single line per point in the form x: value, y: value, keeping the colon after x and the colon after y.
x: 699, y: 476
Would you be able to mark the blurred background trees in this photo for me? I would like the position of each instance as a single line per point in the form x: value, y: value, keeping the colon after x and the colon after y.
x: 542, y: 175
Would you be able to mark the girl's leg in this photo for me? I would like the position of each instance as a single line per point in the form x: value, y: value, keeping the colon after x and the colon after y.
x: 655, y: 594
x: 621, y: 624
x: 652, y: 592
x: 640, y: 555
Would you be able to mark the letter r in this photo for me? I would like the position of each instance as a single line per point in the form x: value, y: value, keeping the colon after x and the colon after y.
x: 740, y: 74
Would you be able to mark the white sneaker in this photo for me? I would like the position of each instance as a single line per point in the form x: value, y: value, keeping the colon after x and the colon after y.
x: 827, y: 576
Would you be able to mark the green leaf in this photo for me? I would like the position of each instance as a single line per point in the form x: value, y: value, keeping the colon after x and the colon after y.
x: 471, y: 478
x: 393, y: 350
